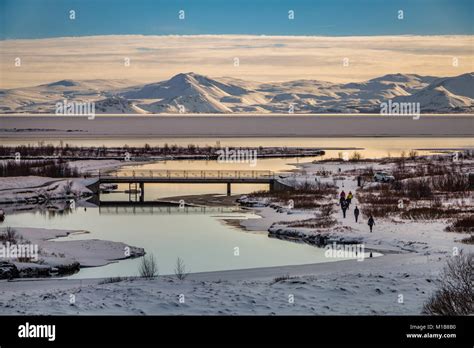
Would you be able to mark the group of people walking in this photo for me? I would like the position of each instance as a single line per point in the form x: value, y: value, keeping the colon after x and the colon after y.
x: 345, y: 202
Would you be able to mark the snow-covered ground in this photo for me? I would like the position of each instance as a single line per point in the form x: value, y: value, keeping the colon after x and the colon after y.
x: 346, y: 287
x: 35, y: 188
x: 390, y: 235
x: 84, y: 166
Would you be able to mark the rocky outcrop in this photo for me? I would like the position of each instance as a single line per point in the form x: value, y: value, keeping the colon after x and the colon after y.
x: 8, y: 270
x: 252, y: 203
x: 316, y: 238
x: 67, y: 269
x: 11, y: 270
x: 32, y: 270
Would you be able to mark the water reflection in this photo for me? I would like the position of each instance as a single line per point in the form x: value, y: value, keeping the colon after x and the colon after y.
x: 204, y: 240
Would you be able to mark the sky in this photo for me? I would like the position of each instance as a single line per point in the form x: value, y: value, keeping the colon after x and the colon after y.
x: 28, y: 19
x: 260, y: 58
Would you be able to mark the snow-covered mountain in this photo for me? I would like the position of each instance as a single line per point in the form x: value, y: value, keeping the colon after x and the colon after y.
x: 43, y: 98
x: 116, y: 105
x: 196, y: 103
x: 409, y: 82
x: 451, y: 94
x: 462, y: 85
x: 189, y: 84
x: 194, y: 93
x: 188, y: 93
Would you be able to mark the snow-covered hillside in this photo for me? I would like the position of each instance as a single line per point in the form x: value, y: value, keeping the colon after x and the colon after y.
x: 194, y: 93
x: 438, y: 99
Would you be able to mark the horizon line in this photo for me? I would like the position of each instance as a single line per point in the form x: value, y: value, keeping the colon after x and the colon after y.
x: 240, y: 35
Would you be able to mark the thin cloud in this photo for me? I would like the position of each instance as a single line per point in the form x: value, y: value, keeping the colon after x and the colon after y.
x: 261, y: 58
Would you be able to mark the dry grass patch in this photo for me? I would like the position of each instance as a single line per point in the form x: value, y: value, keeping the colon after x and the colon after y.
x: 303, y: 197
x: 463, y: 224
x: 455, y: 295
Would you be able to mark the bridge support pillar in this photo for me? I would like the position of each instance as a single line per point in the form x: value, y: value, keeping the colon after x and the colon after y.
x: 228, y: 189
x: 142, y: 192
x: 275, y: 185
x: 272, y: 185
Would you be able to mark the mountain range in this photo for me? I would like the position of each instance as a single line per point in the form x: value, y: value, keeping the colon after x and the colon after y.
x: 194, y: 93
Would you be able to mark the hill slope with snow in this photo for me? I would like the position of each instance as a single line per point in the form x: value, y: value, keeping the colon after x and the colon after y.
x: 194, y: 93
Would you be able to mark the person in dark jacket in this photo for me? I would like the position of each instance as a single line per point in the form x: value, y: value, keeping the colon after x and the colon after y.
x: 356, y: 213
x: 342, y: 198
x: 371, y: 222
x: 341, y: 201
x: 344, y: 206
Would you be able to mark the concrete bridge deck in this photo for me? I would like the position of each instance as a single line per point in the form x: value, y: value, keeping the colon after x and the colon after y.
x: 192, y: 176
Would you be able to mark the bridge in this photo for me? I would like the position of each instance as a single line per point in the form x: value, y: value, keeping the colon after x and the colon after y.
x: 138, y: 178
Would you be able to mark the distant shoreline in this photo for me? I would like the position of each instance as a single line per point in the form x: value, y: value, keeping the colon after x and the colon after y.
x: 236, y: 114
x: 226, y: 126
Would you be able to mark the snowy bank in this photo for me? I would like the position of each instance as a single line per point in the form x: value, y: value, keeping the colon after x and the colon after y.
x: 35, y: 189
x: 61, y: 257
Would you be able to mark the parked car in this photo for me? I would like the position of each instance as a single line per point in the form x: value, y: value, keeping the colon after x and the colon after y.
x: 383, y: 177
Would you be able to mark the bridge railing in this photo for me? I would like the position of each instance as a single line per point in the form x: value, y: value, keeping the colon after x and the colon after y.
x: 191, y: 174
